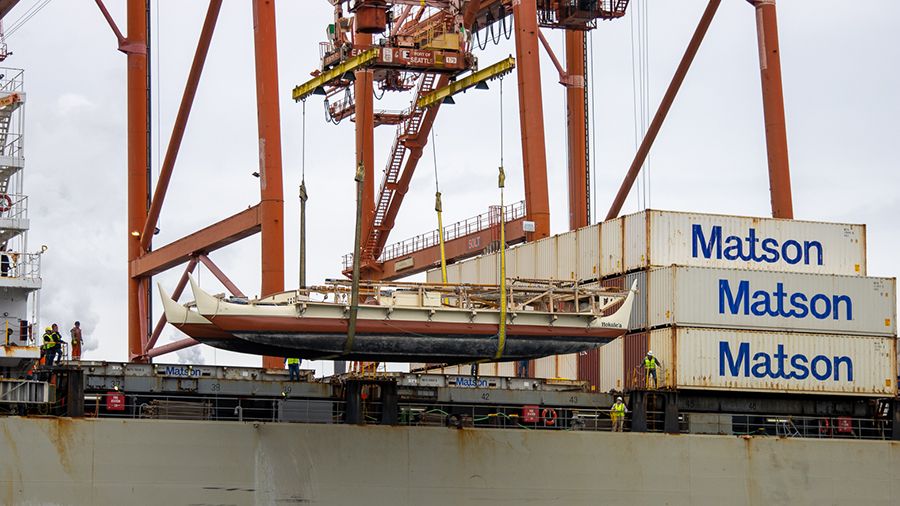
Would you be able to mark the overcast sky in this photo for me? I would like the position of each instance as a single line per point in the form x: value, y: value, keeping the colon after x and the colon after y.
x: 841, y: 78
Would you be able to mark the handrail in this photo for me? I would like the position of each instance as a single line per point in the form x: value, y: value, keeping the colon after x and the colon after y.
x: 452, y: 231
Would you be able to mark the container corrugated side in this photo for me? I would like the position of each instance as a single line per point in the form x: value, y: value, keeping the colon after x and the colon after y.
x: 545, y: 259
x: 611, y: 247
x: 589, y: 368
x: 636, y: 346
x: 433, y: 276
x: 611, y: 357
x: 567, y: 366
x: 634, y: 245
x: 706, y: 297
x: 468, y: 271
x: 526, y: 260
x: 512, y: 266
x: 556, y: 366
x: 660, y: 238
x: 588, y: 239
x: 718, y: 359
x: 567, y: 256
x: 488, y: 269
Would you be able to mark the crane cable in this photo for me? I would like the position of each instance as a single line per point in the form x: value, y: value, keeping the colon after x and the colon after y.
x: 439, y: 209
x: 304, y: 196
x: 501, y: 182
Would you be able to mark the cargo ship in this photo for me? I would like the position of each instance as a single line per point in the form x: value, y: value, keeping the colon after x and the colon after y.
x: 772, y: 349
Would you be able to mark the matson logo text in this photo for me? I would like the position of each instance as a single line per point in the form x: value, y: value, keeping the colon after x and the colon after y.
x: 752, y: 248
x: 780, y: 365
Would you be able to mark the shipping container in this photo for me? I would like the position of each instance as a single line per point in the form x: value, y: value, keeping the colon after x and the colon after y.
x: 588, y: 368
x: 723, y: 359
x: 610, y: 357
x: 588, y: 242
x: 730, y: 298
x: 611, y: 247
x: 567, y: 256
x: 662, y: 238
x: 635, y: 348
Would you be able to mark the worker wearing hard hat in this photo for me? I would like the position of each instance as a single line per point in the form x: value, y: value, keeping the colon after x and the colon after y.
x: 49, y: 346
x: 617, y: 414
x: 650, y: 364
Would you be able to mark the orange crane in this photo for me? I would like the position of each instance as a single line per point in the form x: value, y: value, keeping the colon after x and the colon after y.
x: 433, y: 42
x: 433, y: 33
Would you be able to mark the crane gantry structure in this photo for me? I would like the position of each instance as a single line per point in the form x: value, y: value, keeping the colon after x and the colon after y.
x: 424, y: 47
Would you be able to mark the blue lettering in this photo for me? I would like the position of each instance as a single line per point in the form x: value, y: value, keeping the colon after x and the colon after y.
x: 781, y: 365
x: 763, y: 365
x: 770, y: 247
x: 814, y: 304
x: 848, y: 304
x: 715, y: 240
x: 814, y: 367
x: 734, y: 303
x: 765, y: 303
x: 837, y: 368
x: 734, y: 366
x: 798, y: 251
x: 798, y: 362
x: 798, y: 300
x: 758, y: 249
x: 807, y: 248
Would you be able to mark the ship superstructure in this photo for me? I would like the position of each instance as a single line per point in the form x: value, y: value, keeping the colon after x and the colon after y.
x: 20, y: 270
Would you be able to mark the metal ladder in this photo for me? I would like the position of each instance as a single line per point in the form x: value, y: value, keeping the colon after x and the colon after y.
x: 405, y: 130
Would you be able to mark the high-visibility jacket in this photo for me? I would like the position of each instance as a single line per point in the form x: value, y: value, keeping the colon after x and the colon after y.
x: 291, y: 361
x: 618, y: 410
x: 650, y: 363
x: 49, y: 341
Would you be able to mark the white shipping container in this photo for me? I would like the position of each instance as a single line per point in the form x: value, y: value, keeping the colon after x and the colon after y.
x: 611, y: 357
x: 661, y: 238
x: 703, y: 297
x: 566, y: 256
x: 611, y: 247
x: 545, y: 258
x: 557, y: 367
x: 588, y: 240
x: 721, y: 359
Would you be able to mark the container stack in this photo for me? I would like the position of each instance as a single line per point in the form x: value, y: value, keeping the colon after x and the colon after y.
x: 727, y: 302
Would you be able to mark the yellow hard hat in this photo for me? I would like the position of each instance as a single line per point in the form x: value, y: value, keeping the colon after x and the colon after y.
x: 49, y: 328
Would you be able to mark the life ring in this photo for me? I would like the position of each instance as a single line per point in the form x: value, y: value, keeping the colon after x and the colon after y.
x: 5, y: 203
x: 549, y: 416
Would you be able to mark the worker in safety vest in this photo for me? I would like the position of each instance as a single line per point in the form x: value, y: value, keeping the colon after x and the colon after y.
x: 293, y: 369
x: 75, y: 333
x: 48, y: 347
x: 617, y: 414
x: 650, y: 364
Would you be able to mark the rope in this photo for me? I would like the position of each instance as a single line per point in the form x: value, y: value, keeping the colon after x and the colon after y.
x: 501, y: 182
x: 24, y: 18
x: 438, y: 207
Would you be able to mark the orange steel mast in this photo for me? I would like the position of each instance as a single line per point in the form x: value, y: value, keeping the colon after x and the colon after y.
x: 773, y: 108
x: 576, y: 118
x: 531, y: 118
x: 138, y: 162
x: 266, y: 218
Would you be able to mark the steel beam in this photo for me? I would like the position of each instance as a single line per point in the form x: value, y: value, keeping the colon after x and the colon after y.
x: 230, y: 230
x: 225, y: 280
x: 356, y: 63
x: 773, y: 108
x: 138, y: 126
x: 576, y: 121
x: 173, y: 346
x: 531, y: 118
x: 663, y: 109
x: 181, y: 119
x: 494, y: 71
x: 269, y: 125
x: 365, y: 141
